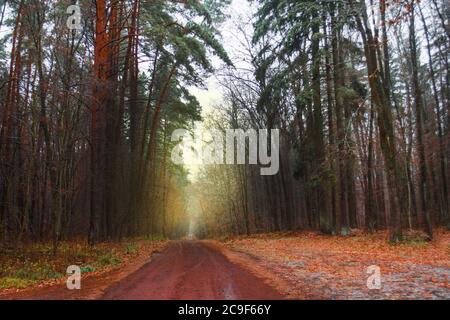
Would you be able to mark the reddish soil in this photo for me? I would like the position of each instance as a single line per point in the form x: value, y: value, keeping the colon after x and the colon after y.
x: 191, y: 270
x: 184, y: 270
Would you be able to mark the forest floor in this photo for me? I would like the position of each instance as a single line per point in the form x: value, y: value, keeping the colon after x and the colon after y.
x: 33, y: 271
x: 296, y: 265
x: 309, y: 265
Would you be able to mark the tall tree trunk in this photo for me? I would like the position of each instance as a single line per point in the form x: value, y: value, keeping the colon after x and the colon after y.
x: 419, y: 109
x: 98, y: 121
x: 385, y: 121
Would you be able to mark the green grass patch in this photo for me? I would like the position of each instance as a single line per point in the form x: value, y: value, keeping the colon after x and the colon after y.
x: 109, y: 259
x: 87, y: 269
x: 14, y: 283
x: 131, y: 248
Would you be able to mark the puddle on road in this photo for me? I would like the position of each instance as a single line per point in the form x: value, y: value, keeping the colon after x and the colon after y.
x: 228, y: 292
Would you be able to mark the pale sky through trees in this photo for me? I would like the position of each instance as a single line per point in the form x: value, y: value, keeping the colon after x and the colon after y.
x: 212, y: 95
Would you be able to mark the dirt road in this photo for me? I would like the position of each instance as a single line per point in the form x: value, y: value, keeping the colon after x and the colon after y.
x: 191, y: 270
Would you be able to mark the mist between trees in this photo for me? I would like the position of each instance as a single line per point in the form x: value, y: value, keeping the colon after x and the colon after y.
x: 359, y: 91
x: 229, y: 147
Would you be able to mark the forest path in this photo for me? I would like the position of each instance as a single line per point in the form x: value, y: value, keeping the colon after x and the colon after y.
x: 191, y: 270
